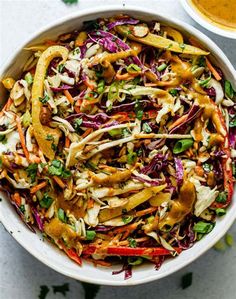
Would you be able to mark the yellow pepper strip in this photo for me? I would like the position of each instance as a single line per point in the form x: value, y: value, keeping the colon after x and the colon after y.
x: 134, y: 201
x: 36, y: 48
x: 181, y: 206
x: 8, y: 83
x: 160, y: 42
x: 40, y: 131
x: 81, y: 38
x: 113, y: 57
x: 176, y: 35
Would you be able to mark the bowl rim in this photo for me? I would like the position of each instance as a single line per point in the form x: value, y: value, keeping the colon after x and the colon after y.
x: 197, y: 17
x: 132, y: 10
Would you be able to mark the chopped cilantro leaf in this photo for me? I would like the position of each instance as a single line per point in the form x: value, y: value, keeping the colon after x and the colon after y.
x: 58, y: 169
x: 173, y: 92
x: 54, y: 147
x: 147, y: 128
x: 138, y: 110
x: 132, y: 242
x: 32, y: 171
x: 77, y: 123
x: 49, y: 137
x: 62, y: 216
x: 126, y: 132
x: 91, y: 165
x: 202, y: 61
x: 3, y: 139
x: 232, y: 123
x: 46, y: 201
x: 131, y: 157
x: 182, y: 46
x: 60, y: 67
x: 127, y: 219
x: 229, y: 91
x: 45, y: 99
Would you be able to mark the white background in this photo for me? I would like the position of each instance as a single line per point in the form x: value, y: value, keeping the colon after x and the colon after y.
x: 20, y: 274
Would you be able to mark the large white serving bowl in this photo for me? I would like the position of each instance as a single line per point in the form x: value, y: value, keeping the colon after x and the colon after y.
x: 49, y: 254
x: 206, y: 22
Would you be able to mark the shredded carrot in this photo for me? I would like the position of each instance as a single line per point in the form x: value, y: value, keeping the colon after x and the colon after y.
x: 213, y: 70
x: 108, y: 168
x: 22, y: 139
x: 189, y: 153
x: 178, y: 121
x: 126, y: 242
x: 199, y: 170
x: 90, y: 203
x: 150, y: 84
x: 67, y: 142
x: 17, y: 198
x: 38, y: 187
x: 36, y: 160
x: 68, y: 96
x: 129, y: 227
x: 126, y: 76
x: 87, y: 132
x: 7, y: 106
x: 50, y: 42
x: 88, y: 84
x: 146, y: 211
x: 195, y: 43
x: 59, y: 182
x: 77, y: 105
x: 77, y: 109
x: 125, y: 235
x: 98, y: 262
x: 90, y: 102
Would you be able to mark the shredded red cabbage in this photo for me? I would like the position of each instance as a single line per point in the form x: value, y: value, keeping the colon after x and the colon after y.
x: 99, y: 117
x: 122, y: 22
x: 194, y: 112
x: 37, y: 219
x: 61, y: 88
x: 179, y: 171
x: 151, y: 182
x: 158, y: 162
x: 125, y: 268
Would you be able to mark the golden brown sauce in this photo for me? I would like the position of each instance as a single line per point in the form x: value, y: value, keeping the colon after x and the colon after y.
x: 67, y: 205
x: 57, y: 230
x: 210, y: 112
x: 181, y: 206
x: 222, y: 12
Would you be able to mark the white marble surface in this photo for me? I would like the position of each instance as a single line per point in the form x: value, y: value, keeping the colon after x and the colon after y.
x: 21, y: 274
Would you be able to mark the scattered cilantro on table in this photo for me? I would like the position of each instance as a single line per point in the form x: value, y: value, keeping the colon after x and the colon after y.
x: 44, y: 290
x: 187, y: 280
x: 90, y: 290
x: 61, y: 289
x: 70, y: 1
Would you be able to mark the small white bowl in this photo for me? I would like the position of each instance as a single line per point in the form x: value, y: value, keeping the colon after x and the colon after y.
x: 206, y: 22
x: 49, y: 254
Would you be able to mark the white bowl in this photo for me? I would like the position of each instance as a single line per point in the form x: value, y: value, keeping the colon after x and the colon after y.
x: 49, y: 254
x: 206, y: 22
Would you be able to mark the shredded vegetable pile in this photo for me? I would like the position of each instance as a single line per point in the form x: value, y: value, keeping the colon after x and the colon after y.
x: 118, y: 142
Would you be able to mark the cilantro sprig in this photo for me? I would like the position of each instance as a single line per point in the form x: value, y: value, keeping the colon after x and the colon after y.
x: 57, y: 168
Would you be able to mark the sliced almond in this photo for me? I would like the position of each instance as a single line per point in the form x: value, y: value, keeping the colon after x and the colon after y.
x: 17, y: 91
x: 140, y: 30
